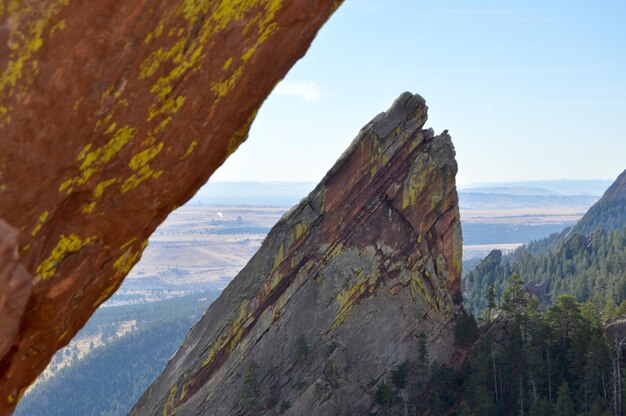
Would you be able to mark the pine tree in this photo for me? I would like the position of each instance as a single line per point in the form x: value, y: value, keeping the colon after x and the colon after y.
x: 514, y: 297
x: 384, y: 397
x: 564, y: 405
x: 491, y: 300
x: 251, y: 389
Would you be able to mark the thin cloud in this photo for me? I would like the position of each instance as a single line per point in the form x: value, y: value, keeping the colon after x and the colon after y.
x: 306, y: 90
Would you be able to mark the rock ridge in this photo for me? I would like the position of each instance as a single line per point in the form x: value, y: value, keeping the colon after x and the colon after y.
x: 354, y: 273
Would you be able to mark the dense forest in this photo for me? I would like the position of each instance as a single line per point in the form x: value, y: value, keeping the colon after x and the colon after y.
x: 526, y: 361
x: 589, y: 268
x: 110, y: 379
x: 587, y: 261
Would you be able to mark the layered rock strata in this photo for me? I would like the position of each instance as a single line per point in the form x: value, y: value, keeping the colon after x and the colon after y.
x: 340, y: 290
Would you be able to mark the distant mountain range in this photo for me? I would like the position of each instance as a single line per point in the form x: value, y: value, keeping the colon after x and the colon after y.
x: 509, y: 199
x: 558, y: 186
x: 289, y: 193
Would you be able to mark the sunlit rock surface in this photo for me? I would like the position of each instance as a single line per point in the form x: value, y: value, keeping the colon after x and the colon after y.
x: 355, y: 272
x: 112, y: 114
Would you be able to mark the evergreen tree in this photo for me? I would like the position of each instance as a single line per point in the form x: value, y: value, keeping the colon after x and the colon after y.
x: 514, y: 297
x: 400, y: 374
x: 564, y: 405
x: 491, y: 300
x: 251, y: 389
x: 385, y: 397
x: 541, y: 407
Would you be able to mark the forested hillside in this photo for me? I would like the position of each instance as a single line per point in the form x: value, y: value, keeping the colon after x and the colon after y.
x: 110, y: 379
x: 591, y: 268
x: 587, y: 261
x: 527, y: 361
x: 541, y: 363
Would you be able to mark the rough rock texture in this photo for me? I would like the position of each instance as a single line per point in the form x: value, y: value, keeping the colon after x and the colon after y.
x: 113, y: 113
x: 355, y: 272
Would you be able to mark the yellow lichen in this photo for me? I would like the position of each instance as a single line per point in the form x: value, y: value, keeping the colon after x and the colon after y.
x: 298, y: 230
x: 241, y: 135
x: 348, y: 297
x: 227, y: 64
x: 414, y: 185
x: 66, y: 246
x: 57, y: 27
x: 93, y: 160
x: 42, y: 219
x: 105, y: 295
x: 23, y: 43
x: 190, y: 149
x: 280, y: 256
x: 169, y: 405
x: 170, y: 106
x: 155, y: 34
x: 99, y: 189
x: 143, y: 171
x: 185, y: 53
x: 231, y: 336
x: 23, y: 249
x: 127, y: 260
x: 63, y: 335
x: 128, y: 243
x: 223, y: 87
x: 87, y: 208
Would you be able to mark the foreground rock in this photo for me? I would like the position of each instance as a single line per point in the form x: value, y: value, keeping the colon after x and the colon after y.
x: 112, y: 114
x: 339, y: 291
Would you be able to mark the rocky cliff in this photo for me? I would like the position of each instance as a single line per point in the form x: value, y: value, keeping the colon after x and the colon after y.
x: 340, y: 290
x: 112, y: 114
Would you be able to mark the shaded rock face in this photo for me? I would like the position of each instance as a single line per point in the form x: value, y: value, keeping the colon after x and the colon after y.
x: 351, y: 276
x: 112, y: 114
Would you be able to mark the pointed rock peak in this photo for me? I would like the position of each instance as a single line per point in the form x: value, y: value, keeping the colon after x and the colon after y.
x: 341, y: 290
x: 617, y: 190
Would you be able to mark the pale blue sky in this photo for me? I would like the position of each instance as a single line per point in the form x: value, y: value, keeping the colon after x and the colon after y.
x: 528, y: 89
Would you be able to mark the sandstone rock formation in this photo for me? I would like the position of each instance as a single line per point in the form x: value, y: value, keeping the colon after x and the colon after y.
x: 339, y: 291
x: 113, y: 113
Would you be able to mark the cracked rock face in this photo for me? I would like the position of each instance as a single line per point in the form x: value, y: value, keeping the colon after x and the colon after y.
x: 112, y: 114
x: 351, y: 275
